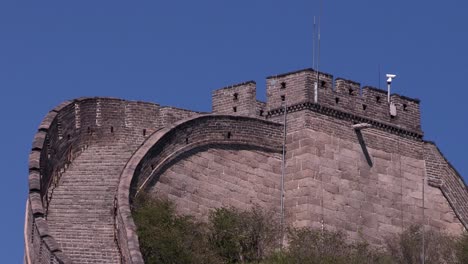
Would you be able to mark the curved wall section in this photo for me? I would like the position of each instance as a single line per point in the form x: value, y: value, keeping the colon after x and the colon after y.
x: 64, y: 133
x: 45, y: 160
x: 164, y: 147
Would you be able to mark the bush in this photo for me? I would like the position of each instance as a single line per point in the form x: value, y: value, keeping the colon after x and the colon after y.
x: 168, y: 238
x: 314, y: 246
x: 243, y: 236
x: 234, y: 236
x: 406, y: 248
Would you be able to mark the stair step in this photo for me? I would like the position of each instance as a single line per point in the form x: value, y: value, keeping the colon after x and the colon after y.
x: 80, y: 215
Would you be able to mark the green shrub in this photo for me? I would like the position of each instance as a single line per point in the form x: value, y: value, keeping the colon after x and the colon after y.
x: 252, y: 236
x: 243, y: 236
x: 168, y: 238
x: 406, y: 248
x: 315, y: 246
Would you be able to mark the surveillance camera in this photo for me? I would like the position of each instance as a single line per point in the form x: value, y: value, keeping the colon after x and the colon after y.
x: 390, y: 77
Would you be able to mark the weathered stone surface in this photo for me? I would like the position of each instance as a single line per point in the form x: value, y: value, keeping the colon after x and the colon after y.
x: 91, y: 156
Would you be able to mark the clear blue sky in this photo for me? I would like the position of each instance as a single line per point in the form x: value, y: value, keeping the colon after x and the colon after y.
x: 177, y: 52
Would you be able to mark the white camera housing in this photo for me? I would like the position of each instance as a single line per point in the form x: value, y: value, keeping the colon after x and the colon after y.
x: 390, y: 77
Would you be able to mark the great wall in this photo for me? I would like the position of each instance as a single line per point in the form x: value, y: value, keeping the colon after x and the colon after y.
x: 91, y: 156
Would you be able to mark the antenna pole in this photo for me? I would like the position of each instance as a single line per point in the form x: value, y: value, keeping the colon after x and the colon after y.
x: 388, y: 91
x: 318, y: 55
x: 313, y: 65
x: 389, y: 82
x: 313, y: 46
x: 379, y: 77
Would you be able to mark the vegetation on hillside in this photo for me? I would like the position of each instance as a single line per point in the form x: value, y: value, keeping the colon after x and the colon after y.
x: 234, y: 236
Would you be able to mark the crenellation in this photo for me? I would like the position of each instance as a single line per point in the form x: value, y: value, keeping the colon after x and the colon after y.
x: 238, y: 99
x: 170, y: 115
x: 347, y: 87
x: 288, y: 89
x: 260, y: 109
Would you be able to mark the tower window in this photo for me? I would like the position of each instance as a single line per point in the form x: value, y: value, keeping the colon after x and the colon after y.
x: 283, y: 85
x: 236, y: 96
x: 234, y: 109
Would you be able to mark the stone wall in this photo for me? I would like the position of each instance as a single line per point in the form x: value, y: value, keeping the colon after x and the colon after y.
x: 366, y: 182
x: 239, y: 99
x: 221, y: 176
x: 441, y: 174
x: 171, y: 146
x: 342, y: 96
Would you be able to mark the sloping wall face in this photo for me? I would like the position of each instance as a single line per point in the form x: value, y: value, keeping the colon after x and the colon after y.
x: 368, y: 183
x: 441, y: 174
x: 221, y: 177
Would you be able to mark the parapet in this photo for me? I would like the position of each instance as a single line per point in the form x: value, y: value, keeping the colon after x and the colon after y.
x: 238, y: 99
x: 342, y: 97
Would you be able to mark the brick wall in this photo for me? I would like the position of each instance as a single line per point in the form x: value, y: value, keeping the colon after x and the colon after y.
x: 442, y: 174
x: 208, y: 130
x: 368, y: 183
x: 238, y: 99
x: 222, y: 176
x: 331, y: 181
x: 346, y: 97
x: 175, y: 147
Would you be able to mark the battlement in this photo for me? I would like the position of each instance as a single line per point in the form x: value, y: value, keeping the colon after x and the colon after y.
x: 339, y: 95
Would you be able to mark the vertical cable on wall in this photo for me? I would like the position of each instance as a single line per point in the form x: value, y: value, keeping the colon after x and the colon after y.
x: 423, y: 223
x: 322, y: 222
x: 401, y: 185
x: 283, y: 168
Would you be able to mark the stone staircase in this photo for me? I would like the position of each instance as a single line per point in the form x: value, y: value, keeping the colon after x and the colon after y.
x: 80, y: 215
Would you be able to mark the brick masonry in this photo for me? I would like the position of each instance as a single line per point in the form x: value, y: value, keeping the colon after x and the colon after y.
x: 213, y: 177
x: 91, y: 156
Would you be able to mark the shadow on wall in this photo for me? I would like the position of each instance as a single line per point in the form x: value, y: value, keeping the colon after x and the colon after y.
x: 364, y: 147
